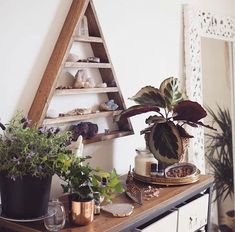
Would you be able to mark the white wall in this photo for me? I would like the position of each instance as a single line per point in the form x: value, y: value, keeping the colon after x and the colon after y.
x: 145, y: 42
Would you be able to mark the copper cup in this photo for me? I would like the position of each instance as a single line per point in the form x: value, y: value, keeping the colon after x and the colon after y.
x: 82, y: 213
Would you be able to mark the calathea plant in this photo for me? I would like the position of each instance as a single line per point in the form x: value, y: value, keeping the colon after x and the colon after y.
x: 165, y: 132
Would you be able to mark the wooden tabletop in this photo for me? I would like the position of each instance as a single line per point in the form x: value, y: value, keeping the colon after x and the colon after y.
x: 168, y: 198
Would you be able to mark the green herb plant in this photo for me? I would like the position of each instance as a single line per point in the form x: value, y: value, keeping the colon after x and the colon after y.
x: 112, y: 187
x: 78, y: 179
x: 28, y: 150
x: 82, y: 181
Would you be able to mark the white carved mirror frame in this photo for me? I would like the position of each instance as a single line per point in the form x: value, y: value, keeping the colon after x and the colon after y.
x: 199, y: 24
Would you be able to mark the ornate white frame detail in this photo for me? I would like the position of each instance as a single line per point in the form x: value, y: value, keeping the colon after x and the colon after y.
x: 199, y: 23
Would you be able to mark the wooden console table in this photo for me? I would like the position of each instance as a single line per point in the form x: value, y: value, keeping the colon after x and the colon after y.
x: 168, y: 199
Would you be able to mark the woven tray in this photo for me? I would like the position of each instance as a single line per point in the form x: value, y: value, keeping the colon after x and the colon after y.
x: 168, y: 181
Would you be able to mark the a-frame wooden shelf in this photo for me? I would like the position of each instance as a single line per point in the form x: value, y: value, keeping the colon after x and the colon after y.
x: 60, y: 92
x: 110, y: 135
x: 83, y: 117
x: 57, y: 63
x: 87, y: 65
x: 88, y: 39
x: 103, y: 137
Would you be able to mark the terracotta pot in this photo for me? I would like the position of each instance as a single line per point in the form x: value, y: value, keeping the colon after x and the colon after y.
x: 26, y: 197
x: 82, y: 213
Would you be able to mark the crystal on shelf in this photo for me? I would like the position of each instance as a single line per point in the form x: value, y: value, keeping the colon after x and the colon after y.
x: 82, y: 80
x: 109, y: 106
x: 83, y: 27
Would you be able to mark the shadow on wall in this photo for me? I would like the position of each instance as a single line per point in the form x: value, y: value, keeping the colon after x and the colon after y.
x: 102, y: 154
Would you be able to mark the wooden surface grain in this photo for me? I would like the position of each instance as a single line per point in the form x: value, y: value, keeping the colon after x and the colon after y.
x: 168, y: 198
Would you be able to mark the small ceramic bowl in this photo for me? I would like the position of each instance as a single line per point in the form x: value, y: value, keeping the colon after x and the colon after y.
x: 181, y: 170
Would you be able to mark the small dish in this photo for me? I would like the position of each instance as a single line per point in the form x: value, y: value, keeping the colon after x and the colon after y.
x: 50, y: 213
x: 181, y: 170
x: 119, y: 209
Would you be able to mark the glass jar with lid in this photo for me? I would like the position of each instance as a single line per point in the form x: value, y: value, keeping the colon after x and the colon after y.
x: 143, y: 161
x: 56, y: 221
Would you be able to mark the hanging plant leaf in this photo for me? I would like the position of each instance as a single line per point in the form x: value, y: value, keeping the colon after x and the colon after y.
x: 149, y: 96
x: 135, y: 110
x: 165, y: 143
x: 170, y: 89
x: 189, y: 111
x: 155, y: 119
x: 183, y: 133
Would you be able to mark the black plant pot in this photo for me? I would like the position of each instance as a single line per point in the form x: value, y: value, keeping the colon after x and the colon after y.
x: 26, y: 197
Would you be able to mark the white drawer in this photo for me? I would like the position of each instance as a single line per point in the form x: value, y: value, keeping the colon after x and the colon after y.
x: 167, y: 223
x: 193, y: 215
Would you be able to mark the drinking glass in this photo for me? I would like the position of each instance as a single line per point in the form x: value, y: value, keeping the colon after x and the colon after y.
x: 56, y: 220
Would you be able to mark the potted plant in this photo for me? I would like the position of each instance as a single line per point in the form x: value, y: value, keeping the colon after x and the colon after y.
x: 82, y: 182
x: 29, y: 156
x: 78, y: 182
x: 165, y: 133
x: 219, y: 153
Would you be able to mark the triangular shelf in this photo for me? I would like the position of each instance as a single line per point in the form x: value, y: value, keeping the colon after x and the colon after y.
x: 57, y: 63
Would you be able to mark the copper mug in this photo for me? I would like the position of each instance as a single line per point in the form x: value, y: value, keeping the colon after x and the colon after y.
x: 82, y: 213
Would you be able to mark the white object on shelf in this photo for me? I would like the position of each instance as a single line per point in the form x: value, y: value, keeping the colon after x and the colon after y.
x: 143, y: 161
x: 118, y: 209
x: 52, y: 113
x: 83, y: 27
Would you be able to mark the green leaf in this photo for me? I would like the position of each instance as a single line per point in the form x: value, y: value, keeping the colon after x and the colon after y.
x: 170, y: 89
x: 219, y: 152
x: 165, y: 143
x: 119, y: 188
x: 149, y: 95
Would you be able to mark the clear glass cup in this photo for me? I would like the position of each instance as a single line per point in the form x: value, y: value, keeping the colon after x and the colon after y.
x: 56, y: 220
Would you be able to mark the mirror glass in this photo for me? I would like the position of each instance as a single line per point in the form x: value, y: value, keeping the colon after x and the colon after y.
x: 217, y: 94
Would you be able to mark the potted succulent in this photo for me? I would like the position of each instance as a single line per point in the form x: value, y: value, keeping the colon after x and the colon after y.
x: 165, y: 134
x: 29, y: 156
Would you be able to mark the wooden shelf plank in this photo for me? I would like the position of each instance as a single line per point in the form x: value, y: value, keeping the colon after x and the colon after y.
x: 66, y: 119
x: 111, y: 135
x: 87, y: 65
x: 88, y: 39
x: 59, y: 92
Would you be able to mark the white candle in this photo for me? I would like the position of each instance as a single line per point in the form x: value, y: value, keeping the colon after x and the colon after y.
x: 143, y: 162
